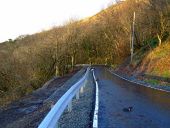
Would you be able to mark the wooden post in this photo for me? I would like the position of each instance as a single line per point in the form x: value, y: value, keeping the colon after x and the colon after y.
x: 133, y: 34
x: 130, y: 39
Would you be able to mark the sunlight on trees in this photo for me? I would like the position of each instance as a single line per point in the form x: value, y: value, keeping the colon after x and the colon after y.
x: 31, y: 60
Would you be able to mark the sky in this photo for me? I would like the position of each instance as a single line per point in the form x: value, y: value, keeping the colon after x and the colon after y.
x: 21, y: 17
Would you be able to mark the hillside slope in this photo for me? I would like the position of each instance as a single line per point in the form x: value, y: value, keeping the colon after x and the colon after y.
x: 157, y: 62
x: 30, y: 60
x: 149, y: 67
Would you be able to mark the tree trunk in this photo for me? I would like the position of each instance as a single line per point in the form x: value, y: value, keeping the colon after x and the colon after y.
x: 57, y: 71
x: 72, y: 61
x: 159, y: 39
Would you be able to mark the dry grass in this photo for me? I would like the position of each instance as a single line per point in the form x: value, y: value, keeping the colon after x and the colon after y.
x: 157, y: 62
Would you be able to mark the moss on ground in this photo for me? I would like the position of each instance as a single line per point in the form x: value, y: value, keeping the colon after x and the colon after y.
x: 152, y: 81
x: 156, y: 62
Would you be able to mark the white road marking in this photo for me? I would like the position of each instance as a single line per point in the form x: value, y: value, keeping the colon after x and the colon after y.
x: 95, y: 118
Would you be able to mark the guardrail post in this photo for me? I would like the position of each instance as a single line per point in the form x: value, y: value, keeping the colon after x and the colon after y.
x: 77, y: 95
x: 85, y: 82
x: 70, y: 106
x: 81, y: 89
x: 52, y: 105
x: 57, y: 125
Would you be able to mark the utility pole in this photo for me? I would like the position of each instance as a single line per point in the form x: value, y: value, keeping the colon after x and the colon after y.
x: 119, y: 1
x: 133, y: 35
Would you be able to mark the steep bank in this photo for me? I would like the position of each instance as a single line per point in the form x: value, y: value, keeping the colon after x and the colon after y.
x: 149, y: 66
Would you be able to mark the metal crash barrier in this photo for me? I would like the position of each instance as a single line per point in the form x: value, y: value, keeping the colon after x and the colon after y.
x: 51, y: 120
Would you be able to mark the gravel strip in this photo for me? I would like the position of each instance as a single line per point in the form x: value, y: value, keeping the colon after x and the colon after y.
x: 81, y: 115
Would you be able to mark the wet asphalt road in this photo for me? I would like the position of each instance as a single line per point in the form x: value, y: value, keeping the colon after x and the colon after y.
x: 151, y: 108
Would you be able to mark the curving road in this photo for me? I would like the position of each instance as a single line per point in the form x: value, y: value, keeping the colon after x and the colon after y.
x: 150, y: 108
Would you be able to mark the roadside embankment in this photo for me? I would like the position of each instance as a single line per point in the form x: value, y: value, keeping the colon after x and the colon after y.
x: 149, y: 67
x: 31, y: 109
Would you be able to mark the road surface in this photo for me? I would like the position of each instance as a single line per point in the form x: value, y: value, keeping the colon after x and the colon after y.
x: 150, y: 108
